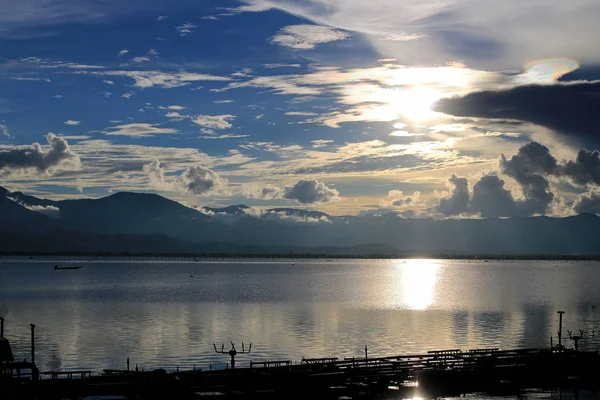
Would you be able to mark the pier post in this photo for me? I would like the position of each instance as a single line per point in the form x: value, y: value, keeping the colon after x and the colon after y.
x: 127, y: 364
x: 32, y: 344
x: 560, y: 318
x: 366, y: 353
x: 1, y: 326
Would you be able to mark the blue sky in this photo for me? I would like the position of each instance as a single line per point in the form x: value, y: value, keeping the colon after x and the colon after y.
x: 324, y: 104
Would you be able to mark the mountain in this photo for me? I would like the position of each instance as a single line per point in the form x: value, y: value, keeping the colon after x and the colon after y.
x: 132, y: 222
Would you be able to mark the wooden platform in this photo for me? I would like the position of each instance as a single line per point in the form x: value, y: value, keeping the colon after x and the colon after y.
x: 438, y: 373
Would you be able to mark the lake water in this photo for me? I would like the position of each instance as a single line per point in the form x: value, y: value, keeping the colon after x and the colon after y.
x: 168, y: 314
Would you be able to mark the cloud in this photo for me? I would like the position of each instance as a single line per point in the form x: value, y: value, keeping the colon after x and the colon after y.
x: 585, y: 169
x: 306, y: 37
x: 200, y: 180
x: 162, y: 17
x: 122, y: 53
x: 528, y: 167
x: 310, y: 191
x: 491, y: 199
x: 166, y: 80
x: 19, y: 158
x: 570, y: 109
x: 31, y: 79
x: 138, y: 60
x: 396, y: 198
x: 222, y: 101
x: 175, y: 115
x: 505, y: 36
x: 267, y: 192
x: 49, y: 211
x: 109, y: 82
x: 588, y: 203
x: 301, y: 113
x: 176, y: 108
x: 72, y: 122
x: 226, y: 136
x: 195, y: 179
x: 4, y: 130
x: 458, y: 201
x: 186, y: 28
x: 316, y: 144
x: 138, y: 130
x: 214, y: 121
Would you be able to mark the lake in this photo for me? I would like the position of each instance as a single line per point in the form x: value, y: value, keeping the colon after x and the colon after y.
x: 169, y: 314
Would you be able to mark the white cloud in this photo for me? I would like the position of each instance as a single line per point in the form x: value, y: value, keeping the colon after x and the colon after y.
x: 214, y: 121
x: 167, y: 80
x: 138, y: 130
x: 176, y: 108
x: 222, y: 101
x: 31, y: 79
x: 162, y: 17
x: 226, y: 136
x: 122, y: 53
x: 109, y: 82
x: 127, y: 95
x: 196, y: 179
x: 4, y: 130
x: 175, y: 115
x: 139, y: 60
x: 72, y: 122
x: 320, y: 143
x: 281, y: 65
x: 267, y: 192
x: 301, y: 113
x: 310, y: 191
x: 306, y: 37
x: 510, y: 33
x: 186, y: 29
x: 49, y: 211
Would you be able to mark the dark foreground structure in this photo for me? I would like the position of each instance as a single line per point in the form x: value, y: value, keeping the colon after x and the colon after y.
x: 429, y: 375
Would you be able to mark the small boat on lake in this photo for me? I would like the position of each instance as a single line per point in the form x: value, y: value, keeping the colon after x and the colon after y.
x: 57, y: 267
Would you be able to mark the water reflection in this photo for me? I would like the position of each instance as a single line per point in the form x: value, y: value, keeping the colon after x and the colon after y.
x: 160, y: 317
x: 418, y: 280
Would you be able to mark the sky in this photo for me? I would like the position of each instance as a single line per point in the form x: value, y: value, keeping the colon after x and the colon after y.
x: 443, y: 109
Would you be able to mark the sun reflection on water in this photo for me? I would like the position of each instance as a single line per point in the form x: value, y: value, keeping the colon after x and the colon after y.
x: 417, y: 280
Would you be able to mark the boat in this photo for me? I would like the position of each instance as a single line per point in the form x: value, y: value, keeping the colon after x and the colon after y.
x: 57, y: 267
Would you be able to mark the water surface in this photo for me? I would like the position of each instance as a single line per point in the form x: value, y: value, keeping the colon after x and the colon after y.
x: 168, y: 314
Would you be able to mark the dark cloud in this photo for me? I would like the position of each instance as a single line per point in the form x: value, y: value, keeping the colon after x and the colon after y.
x: 567, y: 108
x: 307, y: 191
x: 491, y: 199
x: 458, y: 201
x: 588, y: 203
x: 585, y: 169
x: 34, y: 157
x: 200, y: 180
x: 528, y: 168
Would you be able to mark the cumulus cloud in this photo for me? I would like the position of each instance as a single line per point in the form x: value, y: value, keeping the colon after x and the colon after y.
x: 21, y: 158
x: 214, y: 121
x: 122, y: 53
x: 458, y: 201
x: 396, y: 198
x: 585, y: 169
x: 306, y: 37
x: 491, y: 199
x: 310, y: 191
x: 138, y: 130
x: 316, y: 144
x: 529, y: 167
x: 267, y: 192
x: 200, y: 180
x: 195, y: 179
x: 72, y: 122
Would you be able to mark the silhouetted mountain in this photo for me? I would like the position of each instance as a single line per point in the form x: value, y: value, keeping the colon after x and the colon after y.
x: 238, y: 228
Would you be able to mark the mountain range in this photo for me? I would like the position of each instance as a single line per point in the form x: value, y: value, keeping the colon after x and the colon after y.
x: 141, y: 223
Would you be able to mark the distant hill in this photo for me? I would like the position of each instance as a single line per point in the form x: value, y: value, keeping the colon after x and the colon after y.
x: 141, y: 222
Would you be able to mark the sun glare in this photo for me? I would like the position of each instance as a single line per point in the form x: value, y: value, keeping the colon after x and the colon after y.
x: 417, y: 281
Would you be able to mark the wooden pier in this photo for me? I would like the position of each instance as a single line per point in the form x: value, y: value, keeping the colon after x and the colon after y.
x: 429, y: 375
